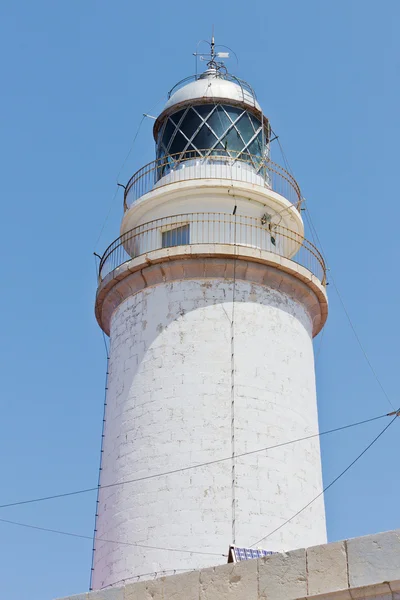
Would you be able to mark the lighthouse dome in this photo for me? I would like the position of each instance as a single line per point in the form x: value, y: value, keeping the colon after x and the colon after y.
x: 214, y: 113
x: 212, y: 85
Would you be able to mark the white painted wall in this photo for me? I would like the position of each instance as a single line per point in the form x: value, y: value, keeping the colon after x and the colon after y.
x: 211, y: 195
x: 169, y: 406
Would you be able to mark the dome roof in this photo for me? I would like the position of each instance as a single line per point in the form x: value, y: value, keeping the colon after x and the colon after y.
x: 211, y: 85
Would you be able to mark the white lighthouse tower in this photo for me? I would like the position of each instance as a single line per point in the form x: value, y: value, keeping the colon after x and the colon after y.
x: 211, y: 297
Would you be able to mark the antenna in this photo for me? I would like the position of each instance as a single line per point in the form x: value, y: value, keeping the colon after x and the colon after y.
x: 212, y: 45
x: 211, y: 56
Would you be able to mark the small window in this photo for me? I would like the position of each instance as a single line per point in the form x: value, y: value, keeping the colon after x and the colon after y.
x: 176, y: 237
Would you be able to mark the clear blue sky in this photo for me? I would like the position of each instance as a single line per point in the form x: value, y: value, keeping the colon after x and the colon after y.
x: 77, y: 77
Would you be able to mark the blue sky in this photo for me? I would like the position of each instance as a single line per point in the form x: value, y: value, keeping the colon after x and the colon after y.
x: 77, y: 77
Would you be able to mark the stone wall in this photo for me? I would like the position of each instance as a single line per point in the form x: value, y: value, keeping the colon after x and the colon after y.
x: 355, y: 569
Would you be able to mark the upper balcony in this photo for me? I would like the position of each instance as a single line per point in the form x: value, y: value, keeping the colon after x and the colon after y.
x: 194, y: 165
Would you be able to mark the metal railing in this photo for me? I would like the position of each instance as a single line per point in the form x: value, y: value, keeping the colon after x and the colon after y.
x: 212, y: 228
x: 226, y: 76
x: 237, y: 166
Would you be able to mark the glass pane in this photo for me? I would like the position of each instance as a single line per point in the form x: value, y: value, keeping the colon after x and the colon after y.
x: 256, y: 122
x: 190, y: 123
x: 168, y: 131
x: 233, y: 112
x: 159, y: 135
x: 204, y: 109
x: 232, y: 141
x: 176, y: 117
x: 219, y: 121
x: 176, y: 237
x: 204, y: 139
x: 245, y: 127
x: 219, y: 150
x: 160, y: 153
x: 178, y: 143
x: 256, y: 146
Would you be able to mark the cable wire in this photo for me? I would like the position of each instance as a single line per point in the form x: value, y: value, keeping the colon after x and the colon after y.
x: 204, y: 464
x: 233, y: 368
x: 331, y: 483
x: 119, y: 172
x: 317, y: 242
x: 81, y: 536
x: 155, y: 573
x: 100, y: 463
x: 123, y: 165
x: 332, y: 280
x: 317, y: 355
x: 89, y: 537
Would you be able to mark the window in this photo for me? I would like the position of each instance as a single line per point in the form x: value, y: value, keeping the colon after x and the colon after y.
x: 176, y: 237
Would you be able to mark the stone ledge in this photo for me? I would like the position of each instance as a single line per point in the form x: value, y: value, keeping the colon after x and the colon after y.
x: 356, y: 569
x: 211, y: 261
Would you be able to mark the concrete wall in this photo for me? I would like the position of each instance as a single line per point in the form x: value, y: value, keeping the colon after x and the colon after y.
x: 169, y: 406
x: 367, y: 567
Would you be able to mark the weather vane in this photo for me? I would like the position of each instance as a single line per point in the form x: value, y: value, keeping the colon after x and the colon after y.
x: 211, y: 56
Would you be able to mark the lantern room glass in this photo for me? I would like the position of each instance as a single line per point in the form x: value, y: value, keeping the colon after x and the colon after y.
x: 213, y: 130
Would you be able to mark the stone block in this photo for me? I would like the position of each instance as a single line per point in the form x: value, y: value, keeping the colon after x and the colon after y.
x: 236, y: 581
x: 144, y: 590
x: 76, y: 597
x: 282, y: 576
x: 379, y: 592
x: 182, y: 587
x: 374, y: 559
x: 327, y: 568
x: 395, y: 585
x: 111, y: 593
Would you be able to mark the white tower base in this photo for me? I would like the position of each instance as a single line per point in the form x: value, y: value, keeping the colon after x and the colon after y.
x: 182, y: 392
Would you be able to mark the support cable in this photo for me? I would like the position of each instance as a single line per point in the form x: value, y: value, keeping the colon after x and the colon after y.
x: 396, y: 414
x: 232, y: 331
x: 122, y: 166
x: 155, y: 573
x: 190, y: 467
x: 317, y: 243
x: 331, y: 278
x: 100, y: 466
x: 119, y: 173
x: 233, y: 445
x: 89, y: 537
x: 317, y: 355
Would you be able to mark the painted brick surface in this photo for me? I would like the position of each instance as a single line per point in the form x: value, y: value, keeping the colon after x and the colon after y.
x: 169, y: 406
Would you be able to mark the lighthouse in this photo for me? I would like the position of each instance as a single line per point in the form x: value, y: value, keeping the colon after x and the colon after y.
x: 211, y: 296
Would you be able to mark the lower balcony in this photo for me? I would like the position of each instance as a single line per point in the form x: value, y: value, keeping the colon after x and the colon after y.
x: 197, y: 229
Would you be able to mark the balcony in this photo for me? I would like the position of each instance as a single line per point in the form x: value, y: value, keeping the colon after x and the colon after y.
x: 220, y: 165
x: 219, y: 229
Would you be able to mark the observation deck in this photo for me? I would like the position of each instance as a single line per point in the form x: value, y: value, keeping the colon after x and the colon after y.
x: 220, y: 238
